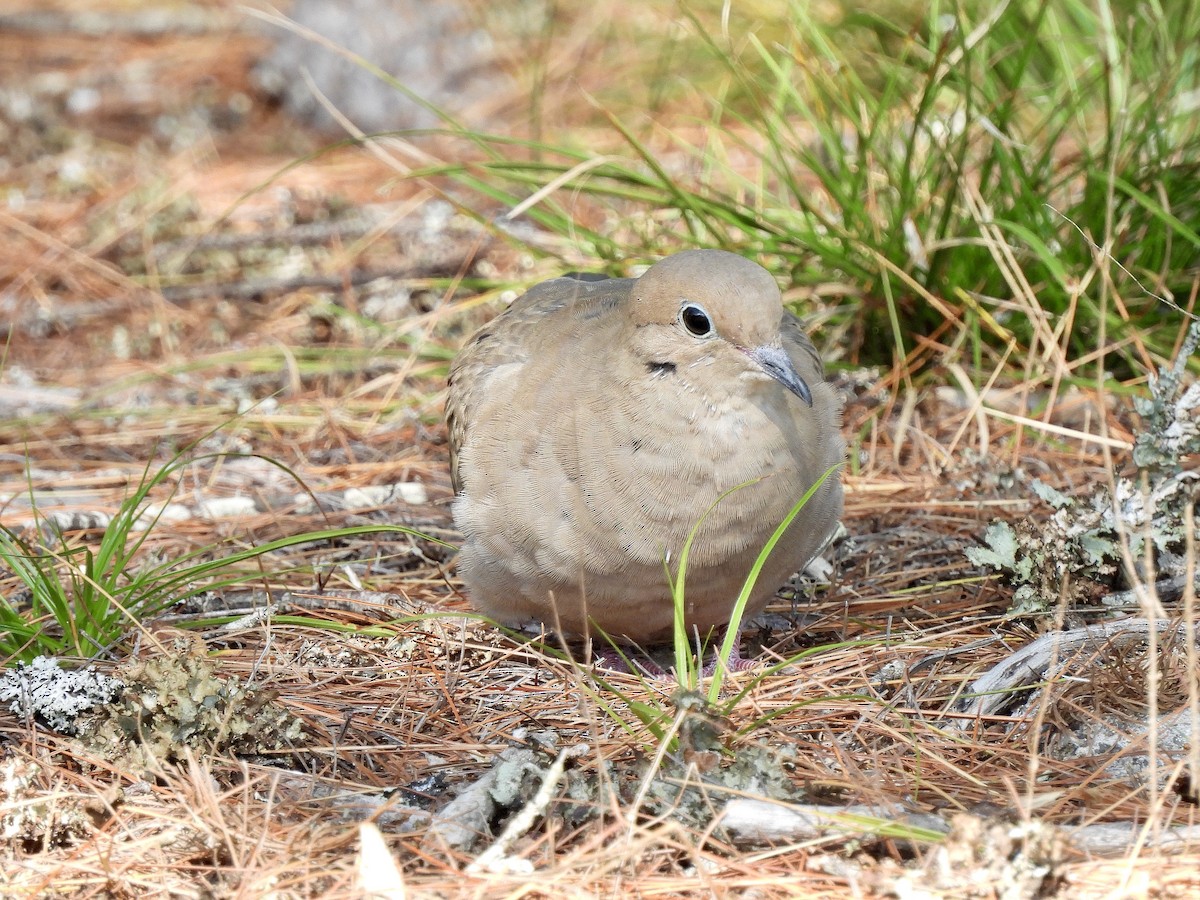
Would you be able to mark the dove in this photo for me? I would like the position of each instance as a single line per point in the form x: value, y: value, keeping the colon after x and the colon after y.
x: 596, y: 422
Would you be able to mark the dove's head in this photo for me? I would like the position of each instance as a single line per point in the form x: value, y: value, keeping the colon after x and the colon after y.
x: 711, y: 315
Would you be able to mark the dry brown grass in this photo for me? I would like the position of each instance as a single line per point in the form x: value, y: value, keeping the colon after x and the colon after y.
x: 101, y: 374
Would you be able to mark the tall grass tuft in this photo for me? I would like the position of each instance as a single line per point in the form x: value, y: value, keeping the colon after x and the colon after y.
x: 81, y: 599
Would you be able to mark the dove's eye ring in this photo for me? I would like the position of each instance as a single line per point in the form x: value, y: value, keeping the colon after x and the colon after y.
x: 693, y: 317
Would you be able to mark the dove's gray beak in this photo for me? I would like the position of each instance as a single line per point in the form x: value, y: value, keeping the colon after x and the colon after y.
x: 776, y: 363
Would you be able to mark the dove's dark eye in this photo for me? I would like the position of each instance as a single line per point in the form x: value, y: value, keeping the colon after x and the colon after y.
x: 695, y: 320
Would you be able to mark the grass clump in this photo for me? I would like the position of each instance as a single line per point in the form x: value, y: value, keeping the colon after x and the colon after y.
x: 80, y: 600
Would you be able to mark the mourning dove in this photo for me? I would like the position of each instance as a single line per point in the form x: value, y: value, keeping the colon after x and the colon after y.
x: 594, y: 422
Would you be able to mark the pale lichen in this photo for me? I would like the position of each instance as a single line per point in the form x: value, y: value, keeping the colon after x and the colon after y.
x: 1091, y: 544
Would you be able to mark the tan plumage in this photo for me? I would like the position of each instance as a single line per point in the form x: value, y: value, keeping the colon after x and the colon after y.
x: 593, y: 423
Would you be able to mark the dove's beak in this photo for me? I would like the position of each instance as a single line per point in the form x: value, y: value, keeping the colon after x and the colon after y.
x: 776, y: 363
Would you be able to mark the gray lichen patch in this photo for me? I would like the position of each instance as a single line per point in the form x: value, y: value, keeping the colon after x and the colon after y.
x: 54, y: 696
x: 1171, y: 423
x: 176, y: 702
x: 1077, y: 552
